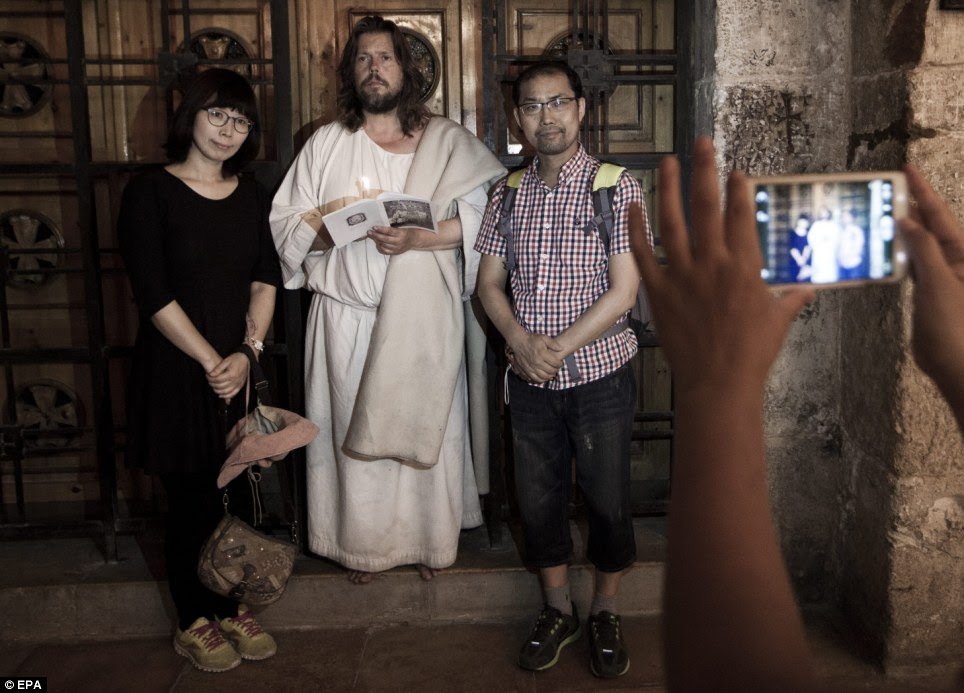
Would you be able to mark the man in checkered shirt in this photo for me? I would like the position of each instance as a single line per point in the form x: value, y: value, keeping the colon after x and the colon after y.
x: 570, y: 388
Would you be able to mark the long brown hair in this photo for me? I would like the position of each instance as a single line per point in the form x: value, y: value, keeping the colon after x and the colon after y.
x: 412, y: 114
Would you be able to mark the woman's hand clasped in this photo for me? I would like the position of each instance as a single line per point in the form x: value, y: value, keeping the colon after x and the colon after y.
x: 229, y: 376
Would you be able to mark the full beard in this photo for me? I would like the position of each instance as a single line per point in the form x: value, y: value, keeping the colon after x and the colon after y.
x: 378, y: 103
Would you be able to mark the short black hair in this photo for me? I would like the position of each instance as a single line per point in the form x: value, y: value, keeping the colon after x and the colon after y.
x: 547, y: 67
x: 215, y: 88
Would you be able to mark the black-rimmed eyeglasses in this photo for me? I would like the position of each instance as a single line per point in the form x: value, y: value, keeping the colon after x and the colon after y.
x: 552, y: 105
x: 217, y: 118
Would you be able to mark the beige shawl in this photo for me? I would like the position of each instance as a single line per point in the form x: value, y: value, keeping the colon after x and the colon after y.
x: 416, y: 350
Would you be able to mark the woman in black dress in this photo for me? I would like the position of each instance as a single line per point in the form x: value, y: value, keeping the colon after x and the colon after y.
x: 195, y: 240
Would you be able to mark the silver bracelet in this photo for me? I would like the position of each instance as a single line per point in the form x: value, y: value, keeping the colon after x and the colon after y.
x: 255, y: 344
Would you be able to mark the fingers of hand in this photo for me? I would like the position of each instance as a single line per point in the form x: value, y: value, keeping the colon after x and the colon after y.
x: 672, y: 223
x: 387, y: 240
x: 930, y: 267
x: 935, y: 214
x: 707, y: 237
x: 740, y: 223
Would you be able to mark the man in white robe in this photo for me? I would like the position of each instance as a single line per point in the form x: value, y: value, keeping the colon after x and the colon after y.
x: 390, y: 477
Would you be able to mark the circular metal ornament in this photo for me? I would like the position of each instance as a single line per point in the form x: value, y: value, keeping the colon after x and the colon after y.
x: 25, y: 229
x: 219, y: 44
x: 560, y: 46
x: 48, y: 405
x: 588, y: 58
x: 24, y: 66
x: 426, y: 60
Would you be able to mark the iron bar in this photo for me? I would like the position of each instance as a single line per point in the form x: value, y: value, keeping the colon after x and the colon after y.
x: 10, y: 412
x: 186, y: 22
x: 229, y: 11
x: 291, y: 352
x: 11, y: 355
x: 87, y: 221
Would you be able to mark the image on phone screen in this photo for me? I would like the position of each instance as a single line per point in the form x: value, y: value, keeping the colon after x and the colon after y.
x: 827, y: 231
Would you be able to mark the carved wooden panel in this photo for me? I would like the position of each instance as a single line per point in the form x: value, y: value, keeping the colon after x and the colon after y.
x: 635, y: 117
x: 434, y: 32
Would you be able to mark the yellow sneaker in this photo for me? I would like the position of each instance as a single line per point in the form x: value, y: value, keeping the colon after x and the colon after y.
x: 248, y: 636
x: 204, y: 645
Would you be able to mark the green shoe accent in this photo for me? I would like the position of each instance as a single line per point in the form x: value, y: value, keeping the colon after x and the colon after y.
x: 204, y: 645
x: 608, y: 657
x: 248, y: 636
x: 552, y: 632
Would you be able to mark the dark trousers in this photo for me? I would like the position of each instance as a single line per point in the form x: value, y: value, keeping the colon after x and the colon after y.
x: 592, y: 424
x: 194, y: 509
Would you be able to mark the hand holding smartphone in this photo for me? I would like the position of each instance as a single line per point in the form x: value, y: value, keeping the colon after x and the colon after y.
x: 831, y: 230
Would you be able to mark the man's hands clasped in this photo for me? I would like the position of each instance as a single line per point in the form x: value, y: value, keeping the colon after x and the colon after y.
x: 536, y: 358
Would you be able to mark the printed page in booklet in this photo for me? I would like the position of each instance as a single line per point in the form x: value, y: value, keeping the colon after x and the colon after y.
x: 388, y: 209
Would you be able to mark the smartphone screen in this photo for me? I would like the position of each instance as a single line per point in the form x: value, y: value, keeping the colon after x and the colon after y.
x: 830, y: 230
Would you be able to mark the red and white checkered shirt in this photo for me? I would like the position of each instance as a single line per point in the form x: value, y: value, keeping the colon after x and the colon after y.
x: 560, y: 269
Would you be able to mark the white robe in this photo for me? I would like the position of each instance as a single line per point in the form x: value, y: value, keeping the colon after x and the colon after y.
x: 366, y: 514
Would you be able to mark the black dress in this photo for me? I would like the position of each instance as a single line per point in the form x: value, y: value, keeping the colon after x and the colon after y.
x: 204, y: 254
x: 180, y: 246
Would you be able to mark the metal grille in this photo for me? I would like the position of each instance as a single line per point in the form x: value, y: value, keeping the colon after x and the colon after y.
x: 623, y: 84
x: 51, y: 430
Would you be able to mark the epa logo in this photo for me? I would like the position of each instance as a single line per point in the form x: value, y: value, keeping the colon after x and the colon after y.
x: 25, y: 683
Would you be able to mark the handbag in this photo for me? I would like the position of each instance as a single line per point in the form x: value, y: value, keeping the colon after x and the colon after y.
x: 267, y: 433
x: 239, y: 562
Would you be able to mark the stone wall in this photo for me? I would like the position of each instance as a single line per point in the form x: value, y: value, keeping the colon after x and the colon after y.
x: 781, y: 105
x: 866, y: 467
x: 885, y: 43
x: 926, y: 595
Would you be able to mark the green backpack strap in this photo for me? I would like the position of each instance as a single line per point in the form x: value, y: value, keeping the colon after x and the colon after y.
x: 512, y: 183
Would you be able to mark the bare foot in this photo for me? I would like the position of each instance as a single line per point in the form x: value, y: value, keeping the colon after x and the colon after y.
x: 425, y: 572
x: 360, y: 577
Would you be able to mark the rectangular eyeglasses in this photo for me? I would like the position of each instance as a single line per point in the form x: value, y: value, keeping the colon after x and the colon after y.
x: 552, y: 105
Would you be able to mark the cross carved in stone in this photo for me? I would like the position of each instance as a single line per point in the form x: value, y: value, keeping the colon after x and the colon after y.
x: 789, y: 118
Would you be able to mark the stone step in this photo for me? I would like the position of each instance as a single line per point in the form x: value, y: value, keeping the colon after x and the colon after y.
x: 63, y: 588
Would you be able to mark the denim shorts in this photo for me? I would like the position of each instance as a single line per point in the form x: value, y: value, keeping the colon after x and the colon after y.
x: 591, y: 424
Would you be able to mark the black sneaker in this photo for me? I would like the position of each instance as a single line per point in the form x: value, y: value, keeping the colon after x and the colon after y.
x: 608, y: 657
x: 553, y: 631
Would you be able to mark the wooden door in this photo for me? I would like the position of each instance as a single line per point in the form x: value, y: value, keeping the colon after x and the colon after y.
x: 632, y: 58
x: 442, y: 34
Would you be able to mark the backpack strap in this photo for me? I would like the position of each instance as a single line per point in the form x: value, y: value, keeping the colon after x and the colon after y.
x: 603, y: 190
x: 570, y: 360
x: 512, y: 183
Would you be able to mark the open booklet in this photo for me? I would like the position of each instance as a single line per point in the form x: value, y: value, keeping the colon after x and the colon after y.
x: 388, y: 209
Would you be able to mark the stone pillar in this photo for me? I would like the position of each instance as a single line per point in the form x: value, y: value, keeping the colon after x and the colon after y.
x: 885, y: 42
x: 781, y: 106
x: 927, y: 531
x: 865, y: 462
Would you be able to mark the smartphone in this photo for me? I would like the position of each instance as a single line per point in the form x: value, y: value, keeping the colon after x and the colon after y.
x: 831, y: 229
